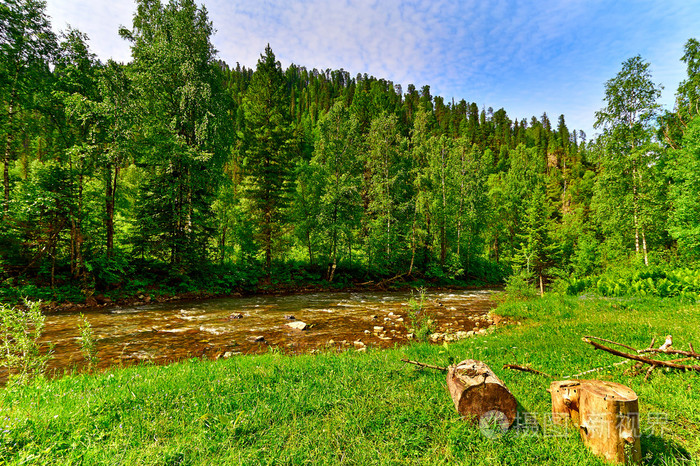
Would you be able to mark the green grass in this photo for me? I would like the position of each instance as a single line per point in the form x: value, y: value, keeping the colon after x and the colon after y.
x: 359, y: 408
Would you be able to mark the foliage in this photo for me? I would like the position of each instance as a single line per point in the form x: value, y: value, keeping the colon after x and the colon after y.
x: 20, y: 351
x: 208, y: 173
x: 421, y: 322
x: 88, y: 343
x: 682, y: 283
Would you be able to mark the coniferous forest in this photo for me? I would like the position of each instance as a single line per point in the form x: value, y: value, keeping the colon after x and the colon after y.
x: 177, y: 170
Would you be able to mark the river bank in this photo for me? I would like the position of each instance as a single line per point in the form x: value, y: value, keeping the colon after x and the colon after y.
x: 366, y: 407
x: 96, y: 300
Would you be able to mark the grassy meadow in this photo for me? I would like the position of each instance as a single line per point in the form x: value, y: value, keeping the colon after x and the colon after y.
x: 362, y: 407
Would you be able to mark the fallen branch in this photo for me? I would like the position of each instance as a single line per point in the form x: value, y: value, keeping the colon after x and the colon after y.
x: 613, y: 342
x: 634, y: 357
x: 422, y: 364
x: 595, y: 370
x: 525, y: 369
x: 689, y: 354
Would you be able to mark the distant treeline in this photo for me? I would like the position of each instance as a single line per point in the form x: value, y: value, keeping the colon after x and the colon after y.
x: 176, y: 160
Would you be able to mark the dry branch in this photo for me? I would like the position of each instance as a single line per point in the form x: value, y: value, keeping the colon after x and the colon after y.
x: 610, y: 341
x: 634, y: 357
x: 422, y: 364
x: 525, y: 369
x: 690, y: 354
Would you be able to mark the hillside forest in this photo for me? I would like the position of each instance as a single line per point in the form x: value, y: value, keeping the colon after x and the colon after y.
x: 179, y: 171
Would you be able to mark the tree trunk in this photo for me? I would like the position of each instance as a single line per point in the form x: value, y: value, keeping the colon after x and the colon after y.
x: 606, y: 413
x: 635, y: 206
x: 478, y: 394
x: 6, y: 163
x: 541, y: 286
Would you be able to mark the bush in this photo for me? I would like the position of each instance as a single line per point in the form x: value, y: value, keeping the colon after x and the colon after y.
x: 88, y: 343
x: 20, y: 330
x: 519, y: 285
x: 421, y: 322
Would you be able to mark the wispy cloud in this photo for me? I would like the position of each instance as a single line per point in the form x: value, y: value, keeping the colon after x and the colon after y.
x: 528, y: 56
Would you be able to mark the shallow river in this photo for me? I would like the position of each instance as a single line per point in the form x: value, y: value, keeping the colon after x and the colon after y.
x: 165, y: 332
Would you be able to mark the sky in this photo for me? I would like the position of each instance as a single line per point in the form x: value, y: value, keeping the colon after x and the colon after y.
x: 528, y: 57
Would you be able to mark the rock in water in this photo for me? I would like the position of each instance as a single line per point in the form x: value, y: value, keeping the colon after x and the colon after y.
x: 297, y: 325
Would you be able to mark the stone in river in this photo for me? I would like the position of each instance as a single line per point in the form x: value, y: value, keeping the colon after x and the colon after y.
x: 297, y: 325
x: 290, y: 317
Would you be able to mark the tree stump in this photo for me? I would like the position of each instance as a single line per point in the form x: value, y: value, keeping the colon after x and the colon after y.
x: 565, y: 401
x: 478, y: 394
x: 606, y: 413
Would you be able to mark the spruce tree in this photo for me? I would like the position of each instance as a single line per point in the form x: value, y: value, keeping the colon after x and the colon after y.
x: 268, y: 151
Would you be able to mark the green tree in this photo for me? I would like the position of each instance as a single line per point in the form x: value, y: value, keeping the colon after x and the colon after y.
x: 682, y: 133
x: 684, y: 170
x: 268, y: 147
x: 27, y: 45
x: 336, y: 164
x: 627, y: 121
x: 181, y: 148
x: 388, y: 191
x: 536, y: 251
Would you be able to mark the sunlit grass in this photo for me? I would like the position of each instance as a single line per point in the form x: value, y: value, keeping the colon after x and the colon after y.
x: 358, y: 408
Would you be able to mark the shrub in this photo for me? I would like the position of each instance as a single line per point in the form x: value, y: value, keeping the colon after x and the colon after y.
x: 20, y: 330
x: 421, y: 322
x: 519, y: 285
x: 88, y: 343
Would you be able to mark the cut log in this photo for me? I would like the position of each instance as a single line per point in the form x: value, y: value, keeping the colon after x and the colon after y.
x: 479, y: 395
x: 606, y: 413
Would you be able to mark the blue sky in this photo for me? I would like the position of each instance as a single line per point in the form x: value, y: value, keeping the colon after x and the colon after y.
x: 528, y: 57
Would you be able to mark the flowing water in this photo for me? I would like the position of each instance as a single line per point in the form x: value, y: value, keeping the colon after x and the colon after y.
x: 166, y: 332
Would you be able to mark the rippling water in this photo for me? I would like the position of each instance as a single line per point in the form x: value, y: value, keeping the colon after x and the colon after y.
x: 165, y: 332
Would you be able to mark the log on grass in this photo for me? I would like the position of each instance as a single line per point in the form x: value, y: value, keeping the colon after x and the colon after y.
x: 606, y: 413
x: 478, y: 394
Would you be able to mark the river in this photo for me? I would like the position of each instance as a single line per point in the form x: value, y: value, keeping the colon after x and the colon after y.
x: 166, y: 332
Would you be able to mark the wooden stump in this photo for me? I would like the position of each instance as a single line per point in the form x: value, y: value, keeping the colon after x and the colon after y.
x: 565, y: 401
x: 480, y: 395
x: 606, y: 413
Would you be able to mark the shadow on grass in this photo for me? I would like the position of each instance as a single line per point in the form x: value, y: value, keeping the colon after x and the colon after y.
x: 657, y: 450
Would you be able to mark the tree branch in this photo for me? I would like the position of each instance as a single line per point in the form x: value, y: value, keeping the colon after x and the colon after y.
x: 643, y: 359
x: 421, y: 364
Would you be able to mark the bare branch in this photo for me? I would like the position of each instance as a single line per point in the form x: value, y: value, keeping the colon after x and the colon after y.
x: 421, y: 364
x: 643, y: 359
x: 525, y: 369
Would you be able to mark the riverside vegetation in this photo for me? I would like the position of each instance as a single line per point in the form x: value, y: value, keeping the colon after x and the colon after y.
x: 362, y: 408
x: 176, y: 173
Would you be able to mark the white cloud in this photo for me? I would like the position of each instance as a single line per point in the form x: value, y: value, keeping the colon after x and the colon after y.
x: 99, y: 19
x: 526, y: 56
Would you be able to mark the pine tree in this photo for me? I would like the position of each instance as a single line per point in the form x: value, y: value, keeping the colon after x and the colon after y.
x: 268, y: 149
x: 176, y: 94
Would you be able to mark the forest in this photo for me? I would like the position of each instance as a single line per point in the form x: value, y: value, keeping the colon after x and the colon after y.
x: 179, y: 172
